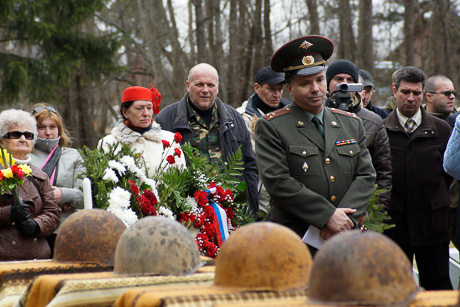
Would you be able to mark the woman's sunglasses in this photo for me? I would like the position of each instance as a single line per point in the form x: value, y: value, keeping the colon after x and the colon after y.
x: 16, y: 135
x: 38, y: 109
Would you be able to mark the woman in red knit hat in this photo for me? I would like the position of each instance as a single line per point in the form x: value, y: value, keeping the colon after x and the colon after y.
x: 138, y: 128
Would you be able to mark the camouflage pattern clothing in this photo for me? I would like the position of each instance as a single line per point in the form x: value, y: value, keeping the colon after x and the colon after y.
x: 204, y: 138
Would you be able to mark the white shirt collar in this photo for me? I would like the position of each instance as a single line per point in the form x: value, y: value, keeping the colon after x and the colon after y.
x: 403, y: 119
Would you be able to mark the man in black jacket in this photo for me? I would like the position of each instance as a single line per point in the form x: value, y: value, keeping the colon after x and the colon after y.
x: 213, y: 127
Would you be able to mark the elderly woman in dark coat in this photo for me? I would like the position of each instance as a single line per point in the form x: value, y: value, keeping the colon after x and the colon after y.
x: 24, y: 226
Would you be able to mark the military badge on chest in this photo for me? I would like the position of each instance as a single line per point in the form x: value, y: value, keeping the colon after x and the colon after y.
x: 305, y: 167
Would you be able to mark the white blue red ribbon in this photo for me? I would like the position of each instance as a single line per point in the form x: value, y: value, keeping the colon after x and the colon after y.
x: 219, y: 220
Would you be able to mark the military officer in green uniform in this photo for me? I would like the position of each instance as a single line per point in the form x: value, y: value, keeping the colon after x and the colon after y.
x: 313, y: 159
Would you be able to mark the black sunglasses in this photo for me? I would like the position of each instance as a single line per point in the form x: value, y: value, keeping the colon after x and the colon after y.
x: 18, y: 134
x: 446, y: 93
x: 38, y: 109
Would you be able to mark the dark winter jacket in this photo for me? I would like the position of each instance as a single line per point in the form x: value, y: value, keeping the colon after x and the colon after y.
x: 420, y: 200
x: 379, y: 147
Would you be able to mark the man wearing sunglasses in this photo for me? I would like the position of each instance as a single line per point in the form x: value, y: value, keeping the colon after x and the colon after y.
x: 440, y: 96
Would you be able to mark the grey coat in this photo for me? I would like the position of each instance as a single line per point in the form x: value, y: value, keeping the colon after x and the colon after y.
x: 70, y: 166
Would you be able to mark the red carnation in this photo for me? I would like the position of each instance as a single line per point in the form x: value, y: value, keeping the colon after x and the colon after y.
x: 220, y: 194
x: 151, y: 197
x: 186, y: 218
x: 1, y: 176
x: 170, y: 159
x: 201, y: 198
x: 199, y: 221
x: 146, y: 206
x: 166, y: 144
x: 211, y: 249
x: 201, y: 237
x: 209, y: 212
x: 177, y: 137
x: 228, y: 196
x: 133, y: 187
x: 20, y: 174
x: 230, y: 213
x: 210, y: 230
x: 177, y: 152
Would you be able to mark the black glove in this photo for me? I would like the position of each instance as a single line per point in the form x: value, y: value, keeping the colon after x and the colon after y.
x: 29, y: 228
x: 19, y: 212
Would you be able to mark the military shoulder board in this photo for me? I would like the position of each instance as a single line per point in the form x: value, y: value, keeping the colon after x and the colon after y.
x: 338, y: 111
x: 277, y: 113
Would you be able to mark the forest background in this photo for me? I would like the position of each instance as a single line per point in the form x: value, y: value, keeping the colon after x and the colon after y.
x: 79, y: 55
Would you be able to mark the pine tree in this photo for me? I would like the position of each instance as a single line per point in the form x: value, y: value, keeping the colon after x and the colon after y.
x: 375, y: 218
x: 44, y: 43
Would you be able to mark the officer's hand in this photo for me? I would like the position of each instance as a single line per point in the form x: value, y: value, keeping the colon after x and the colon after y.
x: 325, y: 233
x: 19, y: 213
x: 339, y: 221
x: 29, y: 228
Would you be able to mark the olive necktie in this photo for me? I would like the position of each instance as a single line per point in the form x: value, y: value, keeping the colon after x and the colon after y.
x: 410, y: 125
x: 318, y: 125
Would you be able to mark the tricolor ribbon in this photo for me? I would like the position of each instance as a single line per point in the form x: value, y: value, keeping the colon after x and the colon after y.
x: 219, y: 220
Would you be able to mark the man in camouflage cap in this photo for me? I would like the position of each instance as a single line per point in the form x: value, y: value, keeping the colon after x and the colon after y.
x: 214, y: 128
x: 313, y: 160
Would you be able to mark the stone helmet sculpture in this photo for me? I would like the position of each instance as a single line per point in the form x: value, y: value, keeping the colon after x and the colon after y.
x: 88, y: 236
x: 263, y: 256
x: 156, y: 245
x: 361, y: 268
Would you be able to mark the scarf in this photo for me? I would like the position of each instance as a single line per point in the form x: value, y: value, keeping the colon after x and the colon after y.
x: 50, y: 166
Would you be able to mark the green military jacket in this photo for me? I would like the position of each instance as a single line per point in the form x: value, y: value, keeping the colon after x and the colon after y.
x: 308, y: 177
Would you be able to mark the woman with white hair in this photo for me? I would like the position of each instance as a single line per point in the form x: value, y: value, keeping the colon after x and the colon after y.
x: 25, y: 225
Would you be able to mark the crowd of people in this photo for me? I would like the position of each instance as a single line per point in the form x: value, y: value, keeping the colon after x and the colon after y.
x: 310, y: 164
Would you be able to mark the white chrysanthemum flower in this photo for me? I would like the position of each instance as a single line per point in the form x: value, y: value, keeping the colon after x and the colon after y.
x: 110, y: 175
x: 166, y: 212
x: 130, y: 163
x: 148, y: 181
x: 119, y: 198
x: 127, y: 216
x: 117, y: 166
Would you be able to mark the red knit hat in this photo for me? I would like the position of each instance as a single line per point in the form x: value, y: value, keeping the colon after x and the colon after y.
x: 142, y: 93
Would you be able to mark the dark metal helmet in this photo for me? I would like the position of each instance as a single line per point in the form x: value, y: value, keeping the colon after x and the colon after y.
x: 263, y: 256
x: 361, y: 268
x: 157, y: 245
x: 88, y: 236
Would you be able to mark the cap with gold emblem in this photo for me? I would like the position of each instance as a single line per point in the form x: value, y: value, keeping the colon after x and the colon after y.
x: 303, y: 56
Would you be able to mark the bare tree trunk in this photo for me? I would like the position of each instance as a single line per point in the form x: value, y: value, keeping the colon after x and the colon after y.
x: 257, y: 40
x: 232, y: 68
x: 218, y: 51
x: 365, y: 58
x: 313, y: 16
x: 437, y: 58
x: 347, y: 45
x: 409, y: 36
x: 178, y: 57
x: 191, y: 37
x: 268, y: 43
x: 200, y: 30
x: 209, y: 5
x: 245, y: 44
